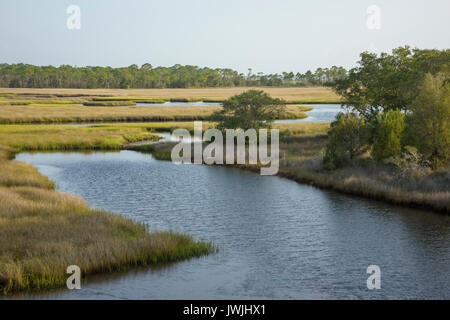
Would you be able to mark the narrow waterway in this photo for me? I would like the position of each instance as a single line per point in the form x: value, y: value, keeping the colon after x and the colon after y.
x: 278, y: 239
x: 319, y: 113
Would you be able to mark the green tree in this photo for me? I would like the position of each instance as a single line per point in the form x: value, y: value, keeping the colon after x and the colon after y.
x: 389, y: 81
x: 429, y: 121
x: 347, y: 138
x: 251, y: 109
x: 389, y: 134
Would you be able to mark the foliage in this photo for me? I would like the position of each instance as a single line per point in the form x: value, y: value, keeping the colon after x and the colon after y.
x: 346, y: 140
x: 409, y: 164
x: 429, y: 120
x: 178, y: 76
x: 389, y: 134
x: 253, y: 109
x: 388, y: 82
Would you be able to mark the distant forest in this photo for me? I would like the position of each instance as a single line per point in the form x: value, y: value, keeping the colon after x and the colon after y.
x: 147, y: 76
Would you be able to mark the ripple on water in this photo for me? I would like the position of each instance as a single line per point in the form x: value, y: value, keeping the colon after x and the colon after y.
x: 278, y: 239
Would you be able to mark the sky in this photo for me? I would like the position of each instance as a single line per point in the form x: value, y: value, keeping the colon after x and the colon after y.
x: 270, y: 36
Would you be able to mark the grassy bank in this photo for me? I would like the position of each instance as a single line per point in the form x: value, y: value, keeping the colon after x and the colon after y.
x: 72, y: 114
x: 42, y: 231
x: 291, y: 95
x: 49, y: 137
x: 301, y: 160
x: 301, y: 152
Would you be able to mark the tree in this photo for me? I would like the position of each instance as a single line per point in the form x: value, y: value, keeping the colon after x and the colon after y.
x: 178, y: 76
x: 429, y: 120
x: 389, y: 82
x: 346, y: 140
x: 251, y: 109
x: 389, y: 134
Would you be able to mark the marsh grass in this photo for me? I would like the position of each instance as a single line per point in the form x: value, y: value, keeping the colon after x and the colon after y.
x: 109, y: 103
x: 76, y: 114
x: 38, y: 102
x: 301, y: 160
x: 291, y: 95
x: 133, y: 99
x: 53, y: 137
x: 42, y: 231
x: 301, y: 153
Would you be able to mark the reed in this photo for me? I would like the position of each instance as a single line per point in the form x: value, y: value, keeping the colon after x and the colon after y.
x: 76, y: 114
x: 109, y: 103
x: 301, y: 152
x: 297, y: 94
x: 42, y: 231
x: 49, y: 137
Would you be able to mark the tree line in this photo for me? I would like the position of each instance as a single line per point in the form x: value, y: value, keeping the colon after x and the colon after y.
x: 177, y: 76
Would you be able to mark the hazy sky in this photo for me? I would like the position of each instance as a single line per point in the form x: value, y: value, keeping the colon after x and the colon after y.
x: 265, y: 35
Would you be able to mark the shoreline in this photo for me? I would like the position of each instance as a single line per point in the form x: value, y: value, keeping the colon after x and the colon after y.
x: 338, y: 181
x: 58, y: 229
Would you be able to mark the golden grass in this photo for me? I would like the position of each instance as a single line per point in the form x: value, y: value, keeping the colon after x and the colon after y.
x: 301, y: 152
x: 13, y: 174
x: 300, y: 95
x: 303, y: 128
x: 54, y: 137
x: 70, y: 113
x: 42, y: 232
x: 301, y: 160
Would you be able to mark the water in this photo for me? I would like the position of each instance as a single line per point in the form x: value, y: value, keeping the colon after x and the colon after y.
x: 319, y: 113
x: 278, y: 239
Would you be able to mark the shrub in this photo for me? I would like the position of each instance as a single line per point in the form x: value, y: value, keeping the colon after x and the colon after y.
x: 409, y: 164
x: 429, y: 120
x: 347, y: 138
x: 389, y: 134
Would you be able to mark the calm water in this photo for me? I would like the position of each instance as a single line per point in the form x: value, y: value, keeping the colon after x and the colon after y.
x: 319, y: 113
x: 278, y: 239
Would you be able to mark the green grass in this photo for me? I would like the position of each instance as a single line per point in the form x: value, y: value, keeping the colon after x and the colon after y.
x: 16, y: 102
x: 49, y: 137
x: 160, y: 151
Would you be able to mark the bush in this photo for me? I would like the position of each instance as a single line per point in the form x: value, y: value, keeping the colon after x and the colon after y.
x: 347, y: 138
x: 389, y: 134
x: 409, y: 163
x: 429, y: 120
